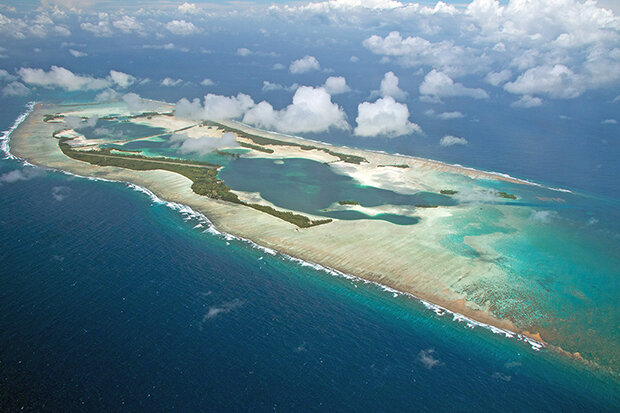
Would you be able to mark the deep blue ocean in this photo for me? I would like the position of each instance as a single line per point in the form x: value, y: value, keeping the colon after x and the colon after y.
x: 113, y: 302
x: 110, y: 301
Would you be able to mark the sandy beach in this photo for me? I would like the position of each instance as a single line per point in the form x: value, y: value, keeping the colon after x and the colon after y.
x: 407, y: 258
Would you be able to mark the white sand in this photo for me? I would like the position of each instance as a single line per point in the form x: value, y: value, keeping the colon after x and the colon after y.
x: 408, y: 258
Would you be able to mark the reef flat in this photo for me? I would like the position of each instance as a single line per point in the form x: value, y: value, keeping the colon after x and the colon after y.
x: 443, y: 233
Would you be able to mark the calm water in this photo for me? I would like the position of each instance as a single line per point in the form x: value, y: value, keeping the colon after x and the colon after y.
x: 110, y: 301
x: 117, y: 129
x: 310, y: 186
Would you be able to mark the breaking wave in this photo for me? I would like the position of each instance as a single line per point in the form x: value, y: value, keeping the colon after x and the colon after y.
x: 5, y: 136
x: 204, y: 224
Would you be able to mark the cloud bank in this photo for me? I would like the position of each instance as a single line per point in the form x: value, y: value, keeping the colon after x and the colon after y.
x: 214, y: 107
x: 440, y: 85
x: 203, y: 145
x: 59, y: 77
x: 311, y: 111
x: 385, y: 117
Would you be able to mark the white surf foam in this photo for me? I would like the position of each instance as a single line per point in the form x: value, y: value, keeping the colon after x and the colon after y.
x: 203, y: 222
x: 5, y: 136
x: 189, y: 213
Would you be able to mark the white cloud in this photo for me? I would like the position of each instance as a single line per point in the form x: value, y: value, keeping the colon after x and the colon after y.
x: 215, y: 107
x: 17, y: 175
x: 62, y: 31
x: 444, y: 115
x: 556, y: 81
x: 61, y: 77
x: 416, y: 51
x: 137, y: 104
x: 335, y: 85
x: 270, y: 86
x: 427, y: 359
x: 207, y: 82
x: 497, y: 78
x: 305, y: 64
x: 169, y: 82
x: 167, y: 46
x: 101, y: 29
x: 527, y: 101
x: 354, y: 59
x: 567, y: 22
x: 337, y: 10
x: 543, y: 217
x: 223, y: 308
x: 278, y: 66
x: 440, y: 85
x: 123, y: 80
x: 77, y: 53
x: 389, y: 87
x: 311, y: 111
x: 189, y: 8
x: 128, y: 24
x: 477, y: 196
x: 65, y: 79
x: 609, y: 122
x: 242, y: 51
x: 15, y: 89
x: 509, y: 38
x: 385, y: 117
x: 204, y: 144
x: 39, y: 25
x: 75, y: 122
x: 59, y: 193
x: 106, y: 95
x: 181, y: 27
x: 6, y: 76
x: 452, y: 140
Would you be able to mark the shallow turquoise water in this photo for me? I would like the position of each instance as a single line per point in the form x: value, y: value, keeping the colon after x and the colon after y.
x: 560, y: 257
x: 310, y: 186
x: 118, y: 130
x: 113, y: 302
x: 161, y: 146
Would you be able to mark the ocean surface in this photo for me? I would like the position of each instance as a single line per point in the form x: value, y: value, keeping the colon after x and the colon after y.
x: 113, y: 300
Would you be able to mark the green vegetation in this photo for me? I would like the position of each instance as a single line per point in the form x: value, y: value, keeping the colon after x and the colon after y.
x: 202, y: 174
x: 123, y: 150
x: 403, y: 166
x: 426, y: 206
x: 256, y: 147
x: 260, y: 140
x: 299, y: 220
x: 229, y: 154
x: 48, y: 117
x: 348, y: 202
x: 448, y: 192
x: 104, y: 152
x: 182, y: 129
x: 149, y: 115
x: 506, y: 195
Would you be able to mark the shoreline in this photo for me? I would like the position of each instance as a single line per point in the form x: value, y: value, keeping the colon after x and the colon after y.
x: 458, y: 167
x: 212, y: 214
x: 461, y: 312
x: 536, y: 343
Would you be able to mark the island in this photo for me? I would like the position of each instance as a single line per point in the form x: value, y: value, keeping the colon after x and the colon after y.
x: 411, y: 225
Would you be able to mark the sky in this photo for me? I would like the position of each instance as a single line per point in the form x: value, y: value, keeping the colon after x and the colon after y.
x: 433, y: 78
